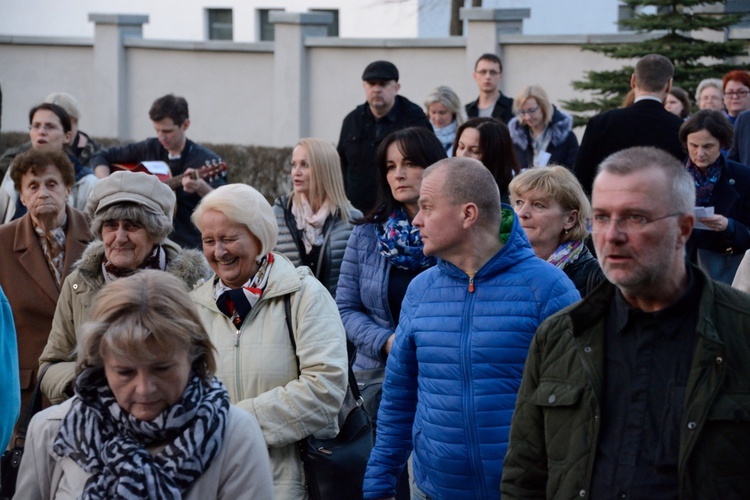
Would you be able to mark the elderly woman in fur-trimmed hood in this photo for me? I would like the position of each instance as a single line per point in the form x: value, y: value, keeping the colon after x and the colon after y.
x: 131, y: 217
x: 542, y: 134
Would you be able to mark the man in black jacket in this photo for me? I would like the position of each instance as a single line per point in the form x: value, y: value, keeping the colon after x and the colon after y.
x: 384, y: 112
x: 170, y: 118
x: 644, y: 123
x: 488, y: 71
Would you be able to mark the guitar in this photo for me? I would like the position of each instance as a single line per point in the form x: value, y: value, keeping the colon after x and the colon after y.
x: 212, y: 170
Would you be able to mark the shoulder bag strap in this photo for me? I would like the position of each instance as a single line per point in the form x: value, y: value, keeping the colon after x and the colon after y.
x: 288, y: 313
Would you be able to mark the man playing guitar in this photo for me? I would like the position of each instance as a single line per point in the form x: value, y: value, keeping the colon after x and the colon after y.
x: 170, y: 118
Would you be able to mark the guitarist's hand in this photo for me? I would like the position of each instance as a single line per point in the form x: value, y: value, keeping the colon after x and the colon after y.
x: 197, y: 186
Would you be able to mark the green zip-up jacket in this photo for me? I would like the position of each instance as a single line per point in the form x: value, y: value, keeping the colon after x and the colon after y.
x: 556, y: 423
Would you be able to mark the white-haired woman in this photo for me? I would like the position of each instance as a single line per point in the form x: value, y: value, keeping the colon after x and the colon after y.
x: 446, y: 114
x: 131, y: 219
x: 315, y: 219
x: 709, y: 94
x: 244, y: 309
x: 149, y: 419
x: 541, y: 134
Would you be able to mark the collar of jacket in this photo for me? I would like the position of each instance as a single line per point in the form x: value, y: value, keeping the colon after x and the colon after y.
x: 516, y: 249
x: 560, y: 126
x: 594, y: 306
x: 284, y: 279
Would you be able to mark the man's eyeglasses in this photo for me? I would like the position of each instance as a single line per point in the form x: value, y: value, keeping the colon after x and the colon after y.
x: 485, y: 72
x: 48, y: 127
x: 741, y: 94
x: 529, y: 111
x: 628, y: 224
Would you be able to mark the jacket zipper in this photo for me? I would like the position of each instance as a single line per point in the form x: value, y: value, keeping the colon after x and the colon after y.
x: 465, y: 356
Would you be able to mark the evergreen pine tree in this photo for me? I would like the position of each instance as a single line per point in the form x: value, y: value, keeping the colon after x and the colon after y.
x: 673, y: 23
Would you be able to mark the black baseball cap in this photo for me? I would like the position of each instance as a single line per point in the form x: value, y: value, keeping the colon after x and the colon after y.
x: 380, y: 70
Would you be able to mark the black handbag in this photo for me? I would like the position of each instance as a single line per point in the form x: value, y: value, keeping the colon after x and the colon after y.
x: 335, y: 468
x: 11, y: 459
x: 720, y: 266
x: 370, y: 385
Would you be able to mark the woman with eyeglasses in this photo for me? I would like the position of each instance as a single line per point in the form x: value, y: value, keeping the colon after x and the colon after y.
x: 709, y: 94
x: 720, y: 184
x: 736, y: 93
x: 553, y: 210
x: 50, y: 128
x: 542, y: 134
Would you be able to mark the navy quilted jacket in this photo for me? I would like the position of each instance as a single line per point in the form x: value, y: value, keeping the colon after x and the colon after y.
x: 455, y: 368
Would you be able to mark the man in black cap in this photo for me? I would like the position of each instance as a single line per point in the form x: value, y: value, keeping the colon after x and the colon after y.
x: 384, y: 112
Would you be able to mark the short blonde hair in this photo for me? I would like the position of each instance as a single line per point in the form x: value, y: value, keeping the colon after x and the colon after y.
x: 538, y: 93
x: 559, y: 184
x: 326, y: 180
x: 143, y: 314
x: 445, y: 95
x: 244, y: 205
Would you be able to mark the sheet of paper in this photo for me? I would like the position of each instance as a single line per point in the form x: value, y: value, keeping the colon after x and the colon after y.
x: 156, y: 167
x: 702, y: 212
x: 543, y: 159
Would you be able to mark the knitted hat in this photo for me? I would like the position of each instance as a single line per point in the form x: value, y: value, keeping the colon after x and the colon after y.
x: 131, y: 187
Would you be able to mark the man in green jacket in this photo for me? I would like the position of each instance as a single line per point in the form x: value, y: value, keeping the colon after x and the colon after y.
x: 642, y: 390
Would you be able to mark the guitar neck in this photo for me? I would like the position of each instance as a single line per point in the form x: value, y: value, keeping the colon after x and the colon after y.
x: 210, y: 171
x: 176, y: 181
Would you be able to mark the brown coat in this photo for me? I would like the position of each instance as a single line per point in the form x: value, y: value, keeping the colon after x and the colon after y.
x: 31, y: 289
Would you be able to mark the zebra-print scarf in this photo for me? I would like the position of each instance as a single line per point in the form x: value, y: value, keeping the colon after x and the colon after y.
x: 110, y: 444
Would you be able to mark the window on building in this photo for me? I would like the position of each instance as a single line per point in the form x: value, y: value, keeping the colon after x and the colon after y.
x: 624, y: 12
x: 333, y: 28
x: 266, y: 27
x: 220, y: 24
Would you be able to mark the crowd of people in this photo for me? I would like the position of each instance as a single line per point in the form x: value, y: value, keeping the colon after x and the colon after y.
x: 546, y: 318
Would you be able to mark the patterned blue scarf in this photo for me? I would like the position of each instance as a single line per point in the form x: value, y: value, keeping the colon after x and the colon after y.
x: 705, y: 180
x: 401, y: 243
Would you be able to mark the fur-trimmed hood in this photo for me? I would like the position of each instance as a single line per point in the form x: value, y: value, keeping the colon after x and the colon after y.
x: 187, y: 264
x: 560, y: 126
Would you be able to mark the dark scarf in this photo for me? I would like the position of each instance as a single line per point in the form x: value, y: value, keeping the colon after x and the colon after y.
x: 401, y: 243
x: 110, y: 444
x: 236, y: 304
x: 157, y: 259
x: 705, y: 182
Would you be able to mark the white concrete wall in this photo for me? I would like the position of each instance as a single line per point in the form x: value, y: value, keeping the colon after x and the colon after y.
x: 185, y: 19
x: 237, y: 91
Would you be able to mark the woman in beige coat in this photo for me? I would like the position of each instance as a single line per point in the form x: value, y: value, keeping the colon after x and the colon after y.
x: 149, y: 419
x: 243, y: 308
x: 131, y: 218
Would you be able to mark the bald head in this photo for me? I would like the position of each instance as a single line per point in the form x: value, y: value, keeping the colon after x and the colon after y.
x: 468, y: 181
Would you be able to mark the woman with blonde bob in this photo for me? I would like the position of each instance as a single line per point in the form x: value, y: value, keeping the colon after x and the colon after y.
x: 293, y: 394
x: 314, y: 220
x: 149, y: 419
x: 554, y: 210
x: 446, y: 114
x: 541, y: 134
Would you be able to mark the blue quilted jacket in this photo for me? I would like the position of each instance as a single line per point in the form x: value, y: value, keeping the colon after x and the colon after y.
x: 455, y: 369
x: 362, y: 297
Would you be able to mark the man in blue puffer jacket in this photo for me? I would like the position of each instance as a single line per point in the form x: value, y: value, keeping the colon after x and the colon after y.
x: 463, y: 335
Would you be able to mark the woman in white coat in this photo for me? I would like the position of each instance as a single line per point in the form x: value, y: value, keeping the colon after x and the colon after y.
x: 244, y: 309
